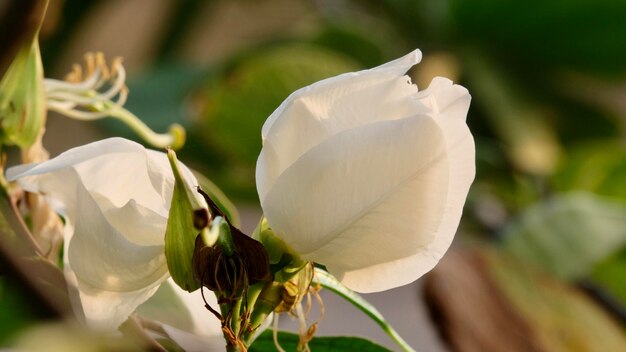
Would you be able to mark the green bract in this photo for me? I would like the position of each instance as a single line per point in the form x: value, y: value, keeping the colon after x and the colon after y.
x: 180, y: 234
x: 284, y: 261
x: 22, y: 101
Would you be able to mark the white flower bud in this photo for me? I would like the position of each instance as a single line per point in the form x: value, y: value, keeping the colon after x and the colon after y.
x: 367, y: 175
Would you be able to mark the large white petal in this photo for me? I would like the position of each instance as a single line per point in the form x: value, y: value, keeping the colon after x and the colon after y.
x: 103, y: 257
x: 365, y: 196
x: 363, y: 78
x: 450, y: 104
x: 107, y: 310
x: 312, y: 114
x: 114, y: 169
x: 113, y: 275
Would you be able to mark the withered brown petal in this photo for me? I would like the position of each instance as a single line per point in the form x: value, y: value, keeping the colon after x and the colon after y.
x: 222, y: 274
x: 254, y: 256
x: 201, y: 260
x: 216, y: 271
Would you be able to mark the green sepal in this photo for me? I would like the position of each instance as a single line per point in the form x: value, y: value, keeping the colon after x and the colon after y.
x: 284, y: 261
x: 180, y: 233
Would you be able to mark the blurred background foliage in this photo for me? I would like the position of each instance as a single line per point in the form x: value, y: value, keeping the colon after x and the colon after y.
x: 548, y: 81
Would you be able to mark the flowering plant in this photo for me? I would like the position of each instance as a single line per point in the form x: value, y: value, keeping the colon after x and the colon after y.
x: 362, y: 180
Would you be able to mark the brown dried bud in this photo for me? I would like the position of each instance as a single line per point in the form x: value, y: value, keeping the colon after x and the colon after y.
x: 227, y: 275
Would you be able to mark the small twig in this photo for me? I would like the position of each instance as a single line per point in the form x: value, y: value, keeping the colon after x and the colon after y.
x: 19, y: 224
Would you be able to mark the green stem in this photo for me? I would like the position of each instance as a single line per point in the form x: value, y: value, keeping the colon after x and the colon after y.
x: 267, y: 300
x: 253, y: 293
x: 329, y: 282
x: 231, y: 348
x: 235, y: 323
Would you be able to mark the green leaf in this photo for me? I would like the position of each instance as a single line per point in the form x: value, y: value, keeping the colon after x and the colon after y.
x: 568, y: 234
x: 289, y: 342
x: 180, y: 233
x: 330, y: 282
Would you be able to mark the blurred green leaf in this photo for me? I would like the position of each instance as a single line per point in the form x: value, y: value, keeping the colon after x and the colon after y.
x: 160, y: 98
x: 16, y: 312
x: 289, y: 342
x: 540, y: 34
x: 357, y: 42
x: 569, y: 234
x: 611, y: 273
x: 598, y: 168
x: 519, y: 122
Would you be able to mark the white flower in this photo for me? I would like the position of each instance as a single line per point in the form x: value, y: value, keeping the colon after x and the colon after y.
x: 367, y: 175
x: 115, y: 197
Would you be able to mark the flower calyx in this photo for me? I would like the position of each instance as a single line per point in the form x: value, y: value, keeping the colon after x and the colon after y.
x: 228, y: 262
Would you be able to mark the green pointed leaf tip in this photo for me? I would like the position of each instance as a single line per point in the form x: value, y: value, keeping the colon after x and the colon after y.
x: 180, y: 233
x: 289, y: 342
x: 22, y: 100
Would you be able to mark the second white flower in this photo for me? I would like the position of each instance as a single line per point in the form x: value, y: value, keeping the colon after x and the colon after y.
x: 367, y: 175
